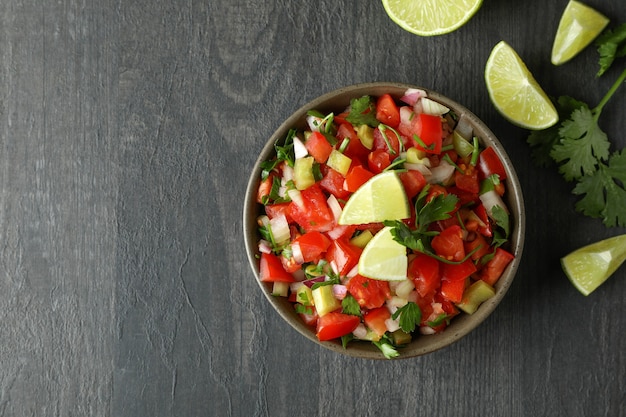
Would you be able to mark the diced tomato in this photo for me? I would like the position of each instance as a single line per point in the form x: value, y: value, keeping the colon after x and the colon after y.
x: 375, y: 320
x: 485, y: 229
x: 457, y: 271
x: 434, y: 190
x: 274, y: 210
x: 378, y: 160
x: 480, y: 245
x: 467, y: 180
x: 265, y: 188
x: 392, y: 139
x: 271, y: 269
x: 355, y: 149
x: 309, y: 319
x: 315, y: 213
x: 465, y: 197
x: 453, y: 290
x: 289, y: 263
x: 335, y: 324
x: 332, y: 182
x: 449, y: 243
x: 318, y: 147
x: 492, y: 270
x: 369, y: 293
x: 312, y: 245
x: 413, y: 182
x: 356, y: 177
x: 387, y: 111
x: 428, y: 129
x: 489, y: 163
x: 343, y: 255
x: 424, y: 271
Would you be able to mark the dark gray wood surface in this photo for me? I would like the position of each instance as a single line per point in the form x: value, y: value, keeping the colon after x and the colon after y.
x: 127, y: 131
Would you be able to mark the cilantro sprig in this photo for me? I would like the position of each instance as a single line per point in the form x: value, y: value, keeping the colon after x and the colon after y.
x: 581, y: 150
x: 611, y: 45
x: 363, y: 112
x: 410, y: 316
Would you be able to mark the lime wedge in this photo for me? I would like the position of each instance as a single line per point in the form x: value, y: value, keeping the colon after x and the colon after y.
x: 588, y: 267
x: 579, y: 26
x: 514, y: 91
x: 383, y: 258
x: 431, y: 17
x: 381, y: 198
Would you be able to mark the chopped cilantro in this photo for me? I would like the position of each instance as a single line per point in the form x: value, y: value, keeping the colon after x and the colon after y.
x: 351, y: 306
x: 410, y: 316
x: 611, y: 44
x: 363, y: 112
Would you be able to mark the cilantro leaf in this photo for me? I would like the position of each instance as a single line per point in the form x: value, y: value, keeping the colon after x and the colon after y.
x: 363, y: 112
x: 351, y: 306
x: 583, y: 144
x: 611, y: 45
x: 603, y: 192
x: 386, y: 347
x: 438, y: 208
x: 410, y: 316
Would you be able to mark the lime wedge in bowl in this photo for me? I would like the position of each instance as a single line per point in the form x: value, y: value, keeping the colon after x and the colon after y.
x: 383, y: 258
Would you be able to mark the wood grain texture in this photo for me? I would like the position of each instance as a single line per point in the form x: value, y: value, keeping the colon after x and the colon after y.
x: 127, y: 130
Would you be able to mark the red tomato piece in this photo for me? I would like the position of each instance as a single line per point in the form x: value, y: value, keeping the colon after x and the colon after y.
x: 480, y: 245
x: 265, y: 188
x: 343, y: 255
x: 335, y: 324
x: 430, y: 132
x: 492, y: 270
x: 274, y: 210
x: 332, y: 182
x: 375, y: 320
x: 449, y: 243
x: 434, y: 190
x: 271, y: 269
x: 457, y: 272
x: 489, y: 163
x: 355, y: 149
x: 356, y: 177
x: 424, y: 271
x: 381, y: 143
x: 413, y: 182
x: 369, y: 293
x: 453, y: 290
x: 484, y: 229
x: 378, y: 160
x: 312, y: 245
x: 467, y: 180
x: 315, y: 213
x: 309, y: 319
x: 318, y: 147
x: 387, y: 111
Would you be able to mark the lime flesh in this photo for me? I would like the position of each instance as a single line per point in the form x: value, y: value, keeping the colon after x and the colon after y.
x: 383, y: 258
x: 578, y: 27
x: 431, y: 17
x: 588, y: 267
x: 514, y: 91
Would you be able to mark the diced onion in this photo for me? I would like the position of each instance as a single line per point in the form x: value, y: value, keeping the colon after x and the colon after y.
x: 299, y: 149
x: 335, y: 207
x: 314, y: 123
x: 295, y: 286
x: 423, y: 168
x: 490, y: 199
x: 395, y: 302
x: 280, y: 228
x: 360, y: 332
x: 340, y: 291
x: 392, y: 325
x: 412, y: 95
x: 464, y: 128
x: 296, y: 197
x: 433, y: 108
x: 406, y: 114
x: 427, y: 330
x: 287, y: 174
x: 404, y: 288
x: 351, y: 273
x: 296, y: 252
x: 264, y: 246
x: 441, y: 173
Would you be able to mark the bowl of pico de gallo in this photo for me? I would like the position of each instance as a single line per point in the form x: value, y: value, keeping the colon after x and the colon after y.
x: 384, y: 220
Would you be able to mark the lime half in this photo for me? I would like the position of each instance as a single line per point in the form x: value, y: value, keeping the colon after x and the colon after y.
x: 514, y: 91
x: 379, y: 199
x: 431, y: 17
x: 383, y: 258
x: 588, y: 267
x: 579, y: 26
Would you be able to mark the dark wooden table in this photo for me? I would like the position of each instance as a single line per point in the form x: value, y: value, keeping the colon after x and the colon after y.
x: 127, y: 131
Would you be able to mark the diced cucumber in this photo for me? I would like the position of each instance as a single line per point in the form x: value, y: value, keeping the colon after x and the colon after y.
x: 280, y: 289
x: 304, y: 296
x: 400, y: 337
x: 416, y: 156
x: 339, y: 162
x: 324, y: 300
x: 303, y: 173
x: 361, y: 239
x: 461, y: 145
x: 365, y: 134
x: 475, y: 295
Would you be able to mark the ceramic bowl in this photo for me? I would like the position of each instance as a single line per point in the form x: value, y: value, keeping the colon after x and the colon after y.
x: 462, y: 324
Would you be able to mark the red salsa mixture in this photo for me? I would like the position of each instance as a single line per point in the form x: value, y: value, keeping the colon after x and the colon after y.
x: 456, y: 235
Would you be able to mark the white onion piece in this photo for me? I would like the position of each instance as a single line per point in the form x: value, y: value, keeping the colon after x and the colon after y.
x: 337, y: 231
x: 299, y: 275
x: 464, y: 128
x: 296, y: 252
x: 280, y: 228
x: 340, y: 291
x: 423, y: 168
x: 287, y: 174
x: 334, y: 206
x: 351, y: 273
x: 395, y: 302
x: 490, y: 199
x: 441, y: 173
x: 295, y: 286
x: 406, y: 115
x: 392, y: 325
x: 412, y: 95
x: 296, y: 197
x: 427, y: 330
x: 264, y: 246
x: 299, y: 149
x: 433, y: 108
x: 360, y: 332
x: 404, y: 288
x: 314, y: 123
